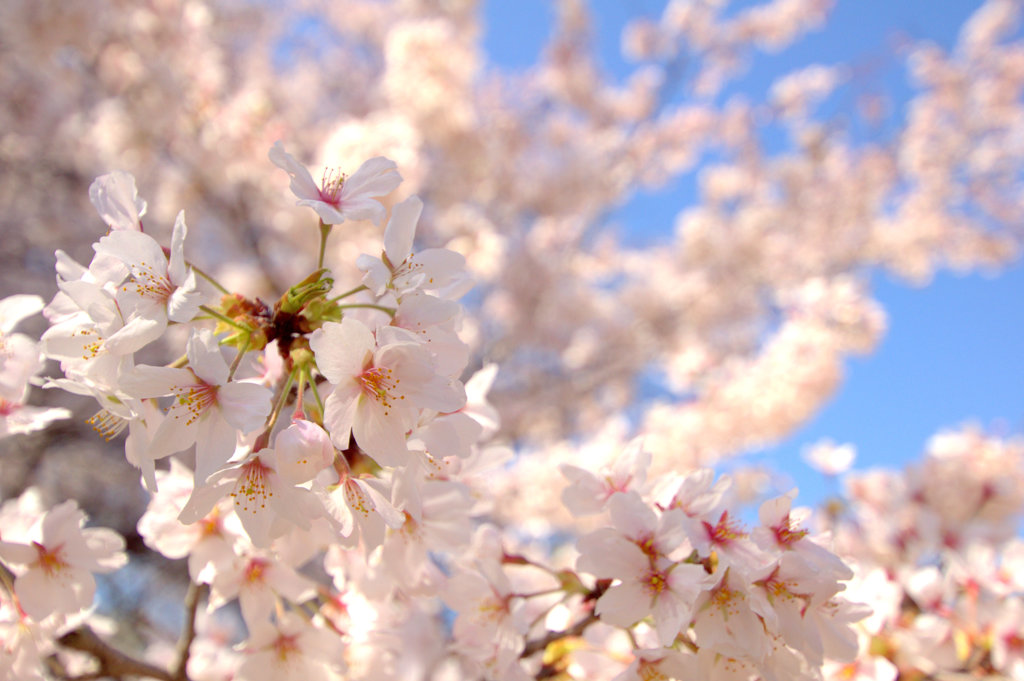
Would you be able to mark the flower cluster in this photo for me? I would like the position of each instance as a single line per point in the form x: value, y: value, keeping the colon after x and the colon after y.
x: 329, y: 434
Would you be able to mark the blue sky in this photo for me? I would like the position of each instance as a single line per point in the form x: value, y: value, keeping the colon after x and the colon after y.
x: 954, y: 351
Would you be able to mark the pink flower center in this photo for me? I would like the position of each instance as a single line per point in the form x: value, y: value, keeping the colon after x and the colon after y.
x: 655, y: 582
x: 725, y: 531
x: 786, y: 535
x: 331, y: 184
x: 149, y: 282
x: 50, y: 561
x: 251, y: 490
x: 286, y: 645
x: 194, y: 400
x: 8, y: 408
x: 255, y: 570
x: 379, y: 384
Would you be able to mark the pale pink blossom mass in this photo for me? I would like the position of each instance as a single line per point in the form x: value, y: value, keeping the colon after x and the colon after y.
x: 479, y: 431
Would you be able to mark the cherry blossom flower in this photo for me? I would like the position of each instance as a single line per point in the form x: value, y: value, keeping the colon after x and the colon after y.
x: 339, y: 197
x: 20, y: 358
x: 267, y: 505
x: 158, y: 290
x: 378, y: 388
x: 117, y: 200
x: 402, y: 271
x: 290, y: 649
x: 55, y: 568
x: 589, y: 493
x: 208, y: 409
x: 357, y: 509
x: 302, y: 450
x: 637, y: 554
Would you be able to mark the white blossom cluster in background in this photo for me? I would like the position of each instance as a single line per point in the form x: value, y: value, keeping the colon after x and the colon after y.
x: 332, y: 438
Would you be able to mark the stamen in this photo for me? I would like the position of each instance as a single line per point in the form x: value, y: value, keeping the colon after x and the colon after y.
x: 107, y: 424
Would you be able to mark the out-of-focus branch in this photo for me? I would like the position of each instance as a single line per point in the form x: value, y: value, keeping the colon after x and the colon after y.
x: 188, y: 634
x: 575, y: 630
x: 112, y: 662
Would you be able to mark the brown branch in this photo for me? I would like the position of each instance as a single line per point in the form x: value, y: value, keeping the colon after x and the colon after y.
x: 113, y: 662
x: 188, y: 634
x: 542, y: 643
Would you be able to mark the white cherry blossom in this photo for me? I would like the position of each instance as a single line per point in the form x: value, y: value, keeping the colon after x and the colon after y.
x: 338, y: 197
x: 208, y: 409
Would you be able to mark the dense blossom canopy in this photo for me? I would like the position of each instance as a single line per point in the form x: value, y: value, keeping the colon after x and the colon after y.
x: 403, y: 436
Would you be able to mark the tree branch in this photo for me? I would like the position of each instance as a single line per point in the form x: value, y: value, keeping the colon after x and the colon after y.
x: 188, y: 634
x: 113, y: 662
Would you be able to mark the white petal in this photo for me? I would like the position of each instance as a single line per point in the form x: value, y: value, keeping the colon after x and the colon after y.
x: 401, y: 229
x: 176, y: 267
x: 302, y: 184
x: 342, y: 349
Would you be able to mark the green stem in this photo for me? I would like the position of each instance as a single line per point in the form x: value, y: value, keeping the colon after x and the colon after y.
x: 238, y: 358
x: 282, y: 399
x: 325, y: 230
x: 208, y: 278
x: 346, y: 294
x: 299, y: 412
x: 316, y: 393
x: 227, y: 320
x: 390, y: 310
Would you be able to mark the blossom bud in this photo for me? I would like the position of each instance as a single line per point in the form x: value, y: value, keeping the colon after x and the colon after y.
x: 303, y: 449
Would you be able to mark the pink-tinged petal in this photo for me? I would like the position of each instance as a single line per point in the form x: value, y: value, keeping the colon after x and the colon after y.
x: 256, y: 600
x: 342, y: 349
x: 204, y: 497
x: 670, y: 613
x: 13, y: 309
x: 302, y: 184
x: 376, y: 177
x: 105, y: 550
x: 21, y: 554
x: 140, y: 252
x: 327, y: 212
x: 244, y: 405
x: 441, y: 394
x: 624, y: 604
x: 62, y: 523
x: 339, y: 509
x: 147, y: 381
x: 204, y: 357
x: 380, y: 436
x: 377, y: 275
x: 184, y: 303
x: 176, y: 265
x: 401, y: 229
x: 117, y: 200
x: 364, y: 208
x: 606, y: 553
x: 41, y: 594
x: 302, y: 450
x: 339, y: 413
x: 632, y: 516
x: 175, y: 433
x: 215, y: 443
x: 135, y: 335
x: 436, y: 267
x: 393, y: 518
x: 775, y: 511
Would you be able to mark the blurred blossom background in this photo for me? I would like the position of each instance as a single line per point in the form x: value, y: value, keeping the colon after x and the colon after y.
x: 775, y: 237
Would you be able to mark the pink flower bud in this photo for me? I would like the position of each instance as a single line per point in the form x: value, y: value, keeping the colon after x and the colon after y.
x: 303, y: 449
